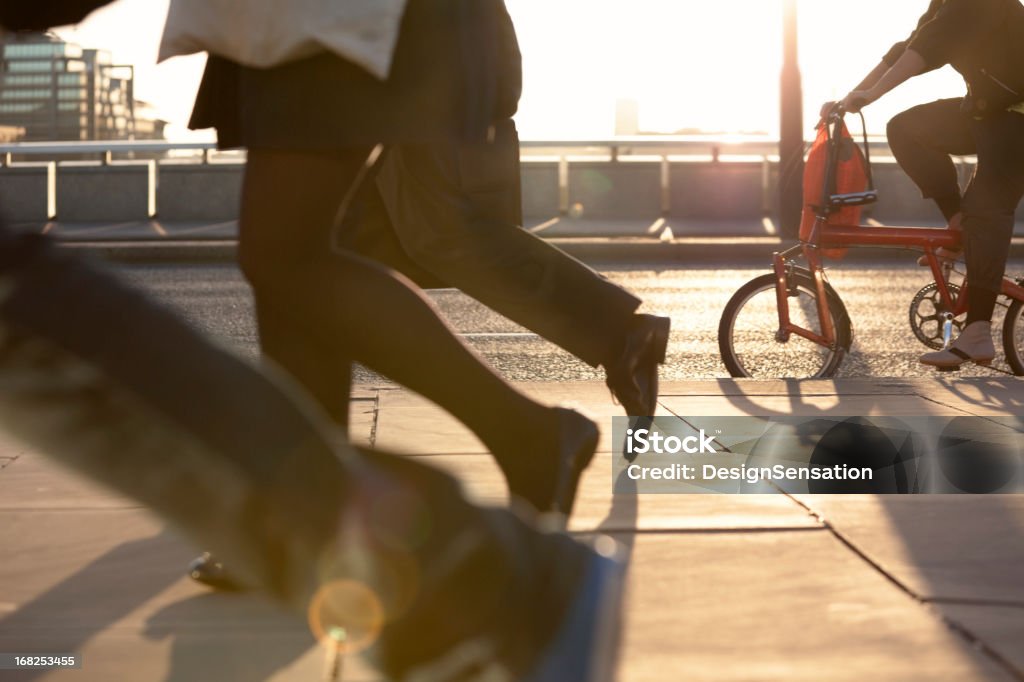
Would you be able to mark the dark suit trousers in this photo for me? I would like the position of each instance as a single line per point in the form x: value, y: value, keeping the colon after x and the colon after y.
x: 449, y: 214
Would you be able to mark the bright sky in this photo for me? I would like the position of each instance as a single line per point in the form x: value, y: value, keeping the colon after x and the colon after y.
x: 703, y: 64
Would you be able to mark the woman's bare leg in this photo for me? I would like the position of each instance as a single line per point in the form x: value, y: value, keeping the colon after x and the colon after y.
x: 314, y: 298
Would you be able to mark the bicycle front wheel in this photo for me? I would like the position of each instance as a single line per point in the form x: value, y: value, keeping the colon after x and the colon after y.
x: 749, y: 341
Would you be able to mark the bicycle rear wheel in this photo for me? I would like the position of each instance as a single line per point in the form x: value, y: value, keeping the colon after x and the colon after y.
x: 748, y: 332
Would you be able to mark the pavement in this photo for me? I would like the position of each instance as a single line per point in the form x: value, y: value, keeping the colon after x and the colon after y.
x: 720, y: 587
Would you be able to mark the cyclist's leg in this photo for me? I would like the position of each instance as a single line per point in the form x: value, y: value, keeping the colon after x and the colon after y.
x: 989, y: 205
x: 988, y: 218
x: 922, y: 140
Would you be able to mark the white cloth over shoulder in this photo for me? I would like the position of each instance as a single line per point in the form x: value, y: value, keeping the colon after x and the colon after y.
x: 265, y: 33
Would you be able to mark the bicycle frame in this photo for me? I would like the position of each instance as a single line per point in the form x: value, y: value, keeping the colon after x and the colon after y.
x: 826, y: 236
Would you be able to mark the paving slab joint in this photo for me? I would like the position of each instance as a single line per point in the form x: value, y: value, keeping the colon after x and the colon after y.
x: 750, y: 530
x: 933, y: 606
x: 376, y: 419
x: 987, y: 418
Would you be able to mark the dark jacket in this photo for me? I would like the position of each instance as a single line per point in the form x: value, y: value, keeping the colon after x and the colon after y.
x: 982, y: 39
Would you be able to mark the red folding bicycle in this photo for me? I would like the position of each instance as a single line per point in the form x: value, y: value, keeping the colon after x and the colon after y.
x: 814, y: 332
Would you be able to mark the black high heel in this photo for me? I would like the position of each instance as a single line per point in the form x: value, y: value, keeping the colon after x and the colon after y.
x: 549, y: 484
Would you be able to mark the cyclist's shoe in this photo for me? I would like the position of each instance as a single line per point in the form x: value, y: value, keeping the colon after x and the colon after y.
x: 973, y: 345
x: 943, y: 255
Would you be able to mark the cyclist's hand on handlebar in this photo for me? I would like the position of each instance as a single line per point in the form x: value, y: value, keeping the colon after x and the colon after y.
x: 856, y: 100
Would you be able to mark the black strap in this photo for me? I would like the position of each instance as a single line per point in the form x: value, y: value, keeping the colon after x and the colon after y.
x: 959, y: 353
x: 867, y: 152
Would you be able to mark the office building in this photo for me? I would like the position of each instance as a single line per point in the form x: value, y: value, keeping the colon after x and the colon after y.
x: 56, y: 90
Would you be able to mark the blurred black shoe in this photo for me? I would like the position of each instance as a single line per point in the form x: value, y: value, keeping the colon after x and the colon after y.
x: 633, y: 376
x: 210, y: 572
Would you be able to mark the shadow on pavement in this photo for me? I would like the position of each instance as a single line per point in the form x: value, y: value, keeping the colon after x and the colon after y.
x: 228, y: 637
x: 67, y: 616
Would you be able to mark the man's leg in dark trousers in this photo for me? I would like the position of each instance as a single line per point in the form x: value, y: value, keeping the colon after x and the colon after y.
x: 989, y: 205
x: 922, y: 139
x: 98, y: 377
x: 456, y: 211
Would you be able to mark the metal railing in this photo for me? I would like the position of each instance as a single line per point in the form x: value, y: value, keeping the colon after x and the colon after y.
x: 703, y: 146
x: 664, y: 150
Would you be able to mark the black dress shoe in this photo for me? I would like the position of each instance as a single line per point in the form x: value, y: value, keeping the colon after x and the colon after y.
x: 633, y: 377
x: 210, y: 572
x: 548, y: 481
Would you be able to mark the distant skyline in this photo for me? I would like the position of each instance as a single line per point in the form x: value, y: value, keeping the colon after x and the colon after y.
x: 689, y: 64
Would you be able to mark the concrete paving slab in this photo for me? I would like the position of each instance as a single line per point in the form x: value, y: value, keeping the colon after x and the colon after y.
x: 423, y: 431
x: 365, y: 391
x: 779, y: 606
x: 10, y: 448
x: 984, y: 397
x: 412, y: 425
x: 362, y: 421
x: 939, y: 546
x: 34, y: 482
x: 840, y: 404
x: 172, y: 653
x: 1001, y: 629
x: 430, y: 430
x: 110, y: 585
x: 793, y: 387
x: 596, y: 509
x: 551, y: 393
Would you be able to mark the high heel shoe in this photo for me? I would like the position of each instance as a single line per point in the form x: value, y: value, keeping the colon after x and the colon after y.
x: 548, y: 483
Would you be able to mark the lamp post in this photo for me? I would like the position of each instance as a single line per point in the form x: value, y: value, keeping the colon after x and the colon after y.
x: 791, y: 128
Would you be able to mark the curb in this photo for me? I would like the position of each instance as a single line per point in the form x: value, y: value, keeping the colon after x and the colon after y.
x: 690, y: 251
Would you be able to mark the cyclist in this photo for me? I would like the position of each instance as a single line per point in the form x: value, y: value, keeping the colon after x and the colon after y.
x: 984, y: 41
